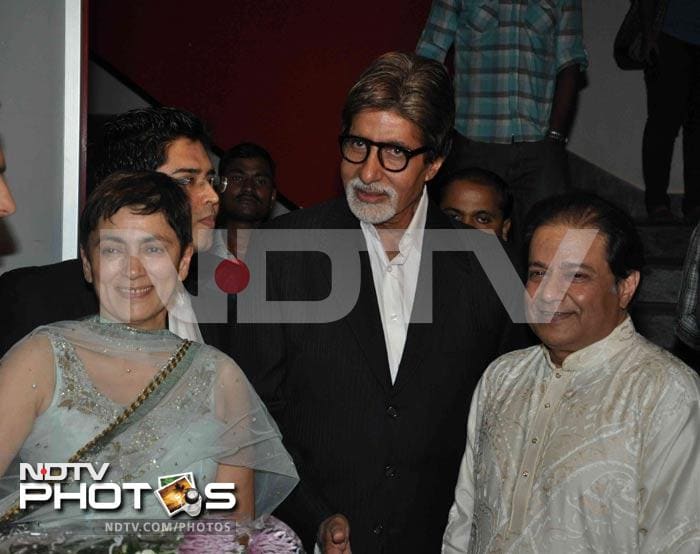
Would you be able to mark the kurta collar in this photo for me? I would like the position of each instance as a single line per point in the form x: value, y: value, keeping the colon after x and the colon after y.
x: 596, y: 355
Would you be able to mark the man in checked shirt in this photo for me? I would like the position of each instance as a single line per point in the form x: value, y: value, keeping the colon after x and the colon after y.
x: 517, y: 64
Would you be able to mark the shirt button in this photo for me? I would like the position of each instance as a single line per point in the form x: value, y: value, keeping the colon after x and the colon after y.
x: 378, y: 528
x: 557, y: 375
x: 525, y: 473
x: 534, y: 440
x: 390, y: 471
x: 389, y: 269
x: 392, y: 412
x: 394, y: 317
x: 546, y: 405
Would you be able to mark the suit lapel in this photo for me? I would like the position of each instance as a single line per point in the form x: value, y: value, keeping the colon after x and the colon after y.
x: 420, y: 335
x: 364, y: 320
x: 366, y: 324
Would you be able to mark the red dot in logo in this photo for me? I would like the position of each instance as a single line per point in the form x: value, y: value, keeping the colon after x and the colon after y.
x: 43, y: 471
x: 232, y: 276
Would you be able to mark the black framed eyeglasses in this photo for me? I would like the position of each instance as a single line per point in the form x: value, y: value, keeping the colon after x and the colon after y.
x: 391, y: 156
x: 216, y: 182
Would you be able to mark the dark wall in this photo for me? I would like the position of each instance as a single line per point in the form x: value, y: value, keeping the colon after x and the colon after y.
x: 274, y: 72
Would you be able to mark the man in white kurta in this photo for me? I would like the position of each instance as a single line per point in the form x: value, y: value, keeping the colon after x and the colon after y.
x: 576, y: 447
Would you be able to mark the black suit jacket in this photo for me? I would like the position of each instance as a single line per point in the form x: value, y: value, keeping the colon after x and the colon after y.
x: 384, y: 455
x: 34, y: 296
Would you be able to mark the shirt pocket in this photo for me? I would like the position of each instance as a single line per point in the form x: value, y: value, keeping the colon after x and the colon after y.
x: 541, y: 19
x: 478, y: 18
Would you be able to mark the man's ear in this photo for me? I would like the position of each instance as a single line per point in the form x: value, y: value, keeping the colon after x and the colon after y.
x: 506, y: 229
x: 626, y: 288
x: 434, y: 167
x: 87, y: 266
x: 183, y: 267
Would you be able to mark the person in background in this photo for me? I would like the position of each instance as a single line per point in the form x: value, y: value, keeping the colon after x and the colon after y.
x: 249, y: 197
x: 687, y: 346
x: 517, y: 67
x: 478, y: 198
x: 591, y: 440
x: 7, y: 202
x: 671, y: 33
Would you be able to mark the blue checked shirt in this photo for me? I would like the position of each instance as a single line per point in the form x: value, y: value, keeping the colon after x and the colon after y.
x: 507, y: 56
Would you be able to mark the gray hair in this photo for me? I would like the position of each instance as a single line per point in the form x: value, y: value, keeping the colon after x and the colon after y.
x: 416, y: 88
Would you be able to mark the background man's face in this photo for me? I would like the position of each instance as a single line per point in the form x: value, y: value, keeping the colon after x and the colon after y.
x: 588, y: 309
x: 376, y: 195
x: 476, y: 205
x: 250, y: 193
x: 7, y: 203
x: 188, y: 159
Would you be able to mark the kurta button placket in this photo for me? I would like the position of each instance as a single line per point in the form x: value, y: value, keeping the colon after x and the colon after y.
x: 528, y: 464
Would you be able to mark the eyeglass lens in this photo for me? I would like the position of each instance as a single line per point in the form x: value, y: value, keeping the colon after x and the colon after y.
x: 391, y: 157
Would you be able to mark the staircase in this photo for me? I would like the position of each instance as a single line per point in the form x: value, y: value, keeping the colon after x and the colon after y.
x: 654, y: 309
x: 665, y: 246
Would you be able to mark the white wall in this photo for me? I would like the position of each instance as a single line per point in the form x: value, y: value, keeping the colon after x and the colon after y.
x: 32, y: 106
x: 612, y: 109
x: 107, y: 95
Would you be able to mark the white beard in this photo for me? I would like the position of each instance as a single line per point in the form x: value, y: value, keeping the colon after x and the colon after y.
x: 371, y: 213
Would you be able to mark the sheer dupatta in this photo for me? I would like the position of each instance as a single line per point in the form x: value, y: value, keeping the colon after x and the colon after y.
x: 209, y: 416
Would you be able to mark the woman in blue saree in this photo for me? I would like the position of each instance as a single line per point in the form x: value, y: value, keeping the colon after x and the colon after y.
x: 119, y: 388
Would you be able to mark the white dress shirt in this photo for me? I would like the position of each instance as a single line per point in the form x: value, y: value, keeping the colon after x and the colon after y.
x: 182, y: 321
x: 599, y: 455
x: 395, y: 280
x: 219, y: 247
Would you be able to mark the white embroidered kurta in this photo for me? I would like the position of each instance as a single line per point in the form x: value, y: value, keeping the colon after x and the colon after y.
x: 601, y: 455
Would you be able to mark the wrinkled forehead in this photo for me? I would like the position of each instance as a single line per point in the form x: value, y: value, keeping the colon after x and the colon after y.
x: 386, y: 126
x: 131, y: 227
x: 475, y: 192
x: 253, y: 166
x: 559, y: 243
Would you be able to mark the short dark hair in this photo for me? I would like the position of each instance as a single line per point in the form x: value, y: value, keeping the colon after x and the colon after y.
x: 144, y: 193
x: 138, y: 140
x: 483, y: 177
x: 625, y: 251
x: 246, y: 151
x: 418, y: 89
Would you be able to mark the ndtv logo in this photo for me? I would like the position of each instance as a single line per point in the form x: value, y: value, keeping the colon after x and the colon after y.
x: 44, y: 482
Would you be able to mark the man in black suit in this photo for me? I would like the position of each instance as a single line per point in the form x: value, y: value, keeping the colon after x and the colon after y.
x: 373, y: 406
x: 163, y: 139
